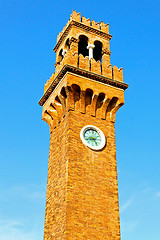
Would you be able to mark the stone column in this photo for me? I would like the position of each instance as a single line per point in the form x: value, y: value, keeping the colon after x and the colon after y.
x: 90, y: 47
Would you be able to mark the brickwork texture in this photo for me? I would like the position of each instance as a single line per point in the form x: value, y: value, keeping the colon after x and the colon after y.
x: 82, y: 188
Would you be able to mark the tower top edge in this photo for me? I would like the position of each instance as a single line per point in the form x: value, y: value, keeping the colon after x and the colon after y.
x: 76, y: 19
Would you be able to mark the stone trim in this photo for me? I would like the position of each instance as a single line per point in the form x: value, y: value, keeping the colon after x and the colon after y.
x: 84, y: 27
x: 68, y: 68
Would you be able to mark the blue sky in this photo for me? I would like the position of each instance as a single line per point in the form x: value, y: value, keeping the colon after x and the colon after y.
x: 28, y: 31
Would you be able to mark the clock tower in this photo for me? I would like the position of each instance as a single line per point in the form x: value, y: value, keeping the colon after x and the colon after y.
x: 80, y: 102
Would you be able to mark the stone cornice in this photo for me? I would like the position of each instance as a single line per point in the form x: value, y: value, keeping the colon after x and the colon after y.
x: 82, y: 26
x: 68, y: 68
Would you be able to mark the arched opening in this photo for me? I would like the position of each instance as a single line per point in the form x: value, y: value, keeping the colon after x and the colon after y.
x: 76, y: 90
x: 88, y: 96
x: 82, y: 45
x: 112, y: 104
x: 57, y: 101
x: 53, y: 108
x: 100, y: 100
x: 97, y: 51
x: 67, y: 44
x: 63, y: 92
x: 48, y: 114
x: 60, y: 56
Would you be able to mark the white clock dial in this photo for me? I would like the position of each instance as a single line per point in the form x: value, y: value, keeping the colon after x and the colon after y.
x: 93, y: 137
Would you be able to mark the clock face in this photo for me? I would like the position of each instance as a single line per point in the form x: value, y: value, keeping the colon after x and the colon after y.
x: 93, y: 137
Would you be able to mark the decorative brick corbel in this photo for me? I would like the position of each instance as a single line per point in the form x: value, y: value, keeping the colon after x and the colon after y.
x: 53, y: 113
x: 48, y: 119
x: 73, y: 39
x: 93, y: 105
x: 59, y: 110
x: 63, y: 102
x: 115, y: 109
x: 103, y: 109
x: 82, y: 102
x: 69, y: 99
x: 106, y: 51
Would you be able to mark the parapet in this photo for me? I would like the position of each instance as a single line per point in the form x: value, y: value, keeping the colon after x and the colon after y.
x: 117, y: 74
x: 83, y: 63
x: 92, y: 65
x: 95, y: 66
x: 100, y: 26
x: 91, y: 23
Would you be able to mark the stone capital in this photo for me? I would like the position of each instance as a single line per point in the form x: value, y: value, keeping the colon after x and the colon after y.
x: 90, y: 46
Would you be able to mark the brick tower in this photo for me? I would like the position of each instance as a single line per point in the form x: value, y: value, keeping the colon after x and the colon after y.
x: 80, y: 102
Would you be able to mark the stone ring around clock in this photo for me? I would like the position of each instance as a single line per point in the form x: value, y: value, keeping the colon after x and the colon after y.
x: 92, y: 137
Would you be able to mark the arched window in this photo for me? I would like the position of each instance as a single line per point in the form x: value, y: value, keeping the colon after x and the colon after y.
x: 82, y: 45
x: 97, y: 51
x: 100, y: 100
x: 63, y: 92
x: 60, y: 56
x: 112, y: 104
x: 67, y: 44
x: 88, y: 96
x: 76, y: 89
x: 57, y: 101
